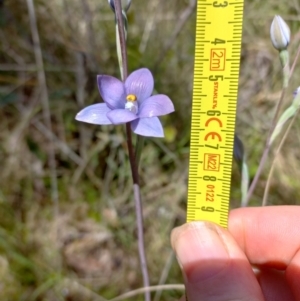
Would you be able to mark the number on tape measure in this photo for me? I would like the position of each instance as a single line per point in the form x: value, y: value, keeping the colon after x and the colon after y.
x: 216, y: 73
x: 218, y: 4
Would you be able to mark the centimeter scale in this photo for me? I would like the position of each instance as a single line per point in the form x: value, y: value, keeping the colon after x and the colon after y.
x: 216, y: 74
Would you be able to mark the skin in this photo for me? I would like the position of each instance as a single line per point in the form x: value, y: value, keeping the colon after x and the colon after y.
x: 256, y: 259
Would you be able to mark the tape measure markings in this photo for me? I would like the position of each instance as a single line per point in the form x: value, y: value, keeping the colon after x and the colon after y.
x: 217, y: 56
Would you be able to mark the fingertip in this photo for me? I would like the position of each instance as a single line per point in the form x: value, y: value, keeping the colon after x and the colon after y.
x: 177, y: 232
x: 181, y: 234
x: 197, y: 242
x: 209, y: 257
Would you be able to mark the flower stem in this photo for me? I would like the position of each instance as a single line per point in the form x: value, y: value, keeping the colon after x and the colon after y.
x: 267, y: 148
x: 122, y: 39
x: 141, y: 244
x: 266, y: 193
x: 267, y: 187
x: 132, y: 156
x: 286, y: 76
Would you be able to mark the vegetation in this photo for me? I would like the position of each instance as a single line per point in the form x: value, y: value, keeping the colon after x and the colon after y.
x: 85, y: 248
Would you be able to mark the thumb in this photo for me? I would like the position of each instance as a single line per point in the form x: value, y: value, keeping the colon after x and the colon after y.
x: 213, y: 265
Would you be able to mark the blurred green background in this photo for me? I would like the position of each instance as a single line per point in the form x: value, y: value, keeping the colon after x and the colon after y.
x: 87, y: 249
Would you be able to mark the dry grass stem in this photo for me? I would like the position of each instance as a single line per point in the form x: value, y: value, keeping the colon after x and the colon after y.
x: 45, y: 102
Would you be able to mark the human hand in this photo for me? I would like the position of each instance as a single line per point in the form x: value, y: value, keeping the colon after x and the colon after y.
x: 217, y: 263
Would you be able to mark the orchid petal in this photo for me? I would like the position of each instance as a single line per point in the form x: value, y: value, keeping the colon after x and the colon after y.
x: 95, y: 114
x: 121, y: 116
x: 156, y: 105
x: 149, y: 127
x: 112, y: 91
x: 140, y: 83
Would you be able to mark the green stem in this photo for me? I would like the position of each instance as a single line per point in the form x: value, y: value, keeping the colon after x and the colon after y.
x: 284, y: 58
x: 267, y: 148
x: 266, y: 192
x: 138, y: 149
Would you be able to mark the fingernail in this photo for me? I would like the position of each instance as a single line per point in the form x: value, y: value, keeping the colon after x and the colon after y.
x: 200, y: 250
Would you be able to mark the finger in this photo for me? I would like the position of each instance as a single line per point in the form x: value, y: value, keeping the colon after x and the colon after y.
x: 270, y: 237
x: 213, y: 265
x: 274, y: 285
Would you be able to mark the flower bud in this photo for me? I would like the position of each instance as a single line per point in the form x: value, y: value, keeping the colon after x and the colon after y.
x: 280, y: 33
x: 296, y: 92
x: 296, y: 101
x: 124, y: 3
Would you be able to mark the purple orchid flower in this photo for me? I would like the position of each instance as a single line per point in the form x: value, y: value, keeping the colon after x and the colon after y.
x: 129, y: 102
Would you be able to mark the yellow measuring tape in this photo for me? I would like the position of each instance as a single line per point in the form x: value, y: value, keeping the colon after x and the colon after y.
x: 216, y: 74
